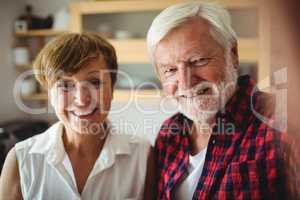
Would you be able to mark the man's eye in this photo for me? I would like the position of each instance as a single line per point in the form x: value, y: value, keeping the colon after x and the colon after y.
x: 200, y: 62
x: 169, y: 71
x: 96, y: 82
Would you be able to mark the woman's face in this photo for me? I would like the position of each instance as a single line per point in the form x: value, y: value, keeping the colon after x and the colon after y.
x: 82, y: 100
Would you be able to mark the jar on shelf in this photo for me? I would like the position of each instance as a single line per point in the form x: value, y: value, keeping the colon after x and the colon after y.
x: 21, y: 55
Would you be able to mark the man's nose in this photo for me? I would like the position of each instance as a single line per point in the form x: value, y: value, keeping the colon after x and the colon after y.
x: 82, y: 96
x: 185, y: 77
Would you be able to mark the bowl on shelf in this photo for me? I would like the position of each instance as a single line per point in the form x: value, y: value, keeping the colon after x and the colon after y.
x: 123, y: 34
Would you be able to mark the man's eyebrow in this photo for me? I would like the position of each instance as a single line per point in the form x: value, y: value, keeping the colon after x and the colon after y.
x: 194, y: 53
x: 164, y: 65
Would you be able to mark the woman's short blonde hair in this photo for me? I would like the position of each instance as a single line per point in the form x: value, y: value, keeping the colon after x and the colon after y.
x: 67, y: 53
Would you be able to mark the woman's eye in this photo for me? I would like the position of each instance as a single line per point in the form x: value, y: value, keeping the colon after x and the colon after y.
x: 96, y: 82
x: 66, y: 86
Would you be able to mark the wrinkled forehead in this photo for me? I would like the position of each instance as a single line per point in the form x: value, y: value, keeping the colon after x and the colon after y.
x: 193, y: 37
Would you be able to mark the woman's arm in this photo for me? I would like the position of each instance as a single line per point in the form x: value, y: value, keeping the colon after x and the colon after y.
x: 151, y: 177
x: 10, y: 188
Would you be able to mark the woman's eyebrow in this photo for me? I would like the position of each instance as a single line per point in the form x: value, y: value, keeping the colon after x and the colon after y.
x: 65, y: 78
x: 95, y: 71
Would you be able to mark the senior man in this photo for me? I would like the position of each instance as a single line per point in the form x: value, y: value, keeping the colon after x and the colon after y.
x: 217, y: 146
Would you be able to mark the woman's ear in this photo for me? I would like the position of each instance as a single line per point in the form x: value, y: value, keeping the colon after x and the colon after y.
x: 52, y: 96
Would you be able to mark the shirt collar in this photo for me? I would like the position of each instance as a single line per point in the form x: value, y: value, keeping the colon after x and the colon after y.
x: 51, y: 144
x: 115, y: 144
x: 119, y: 144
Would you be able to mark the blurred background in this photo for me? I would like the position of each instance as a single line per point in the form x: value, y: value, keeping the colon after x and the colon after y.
x: 27, y: 25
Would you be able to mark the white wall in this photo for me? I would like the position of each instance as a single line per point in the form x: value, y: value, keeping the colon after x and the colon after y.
x: 8, y: 13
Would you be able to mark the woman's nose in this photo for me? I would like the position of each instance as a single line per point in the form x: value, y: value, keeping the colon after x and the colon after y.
x: 82, y: 96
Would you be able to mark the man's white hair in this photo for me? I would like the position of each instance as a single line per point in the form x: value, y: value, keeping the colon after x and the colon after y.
x: 176, y: 15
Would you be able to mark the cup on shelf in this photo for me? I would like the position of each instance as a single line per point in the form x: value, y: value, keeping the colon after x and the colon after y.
x: 20, y: 26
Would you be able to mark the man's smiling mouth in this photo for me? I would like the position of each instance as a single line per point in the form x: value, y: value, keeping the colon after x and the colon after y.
x: 203, y: 91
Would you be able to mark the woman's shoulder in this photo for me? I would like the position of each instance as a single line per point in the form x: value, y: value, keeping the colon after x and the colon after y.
x: 10, y: 187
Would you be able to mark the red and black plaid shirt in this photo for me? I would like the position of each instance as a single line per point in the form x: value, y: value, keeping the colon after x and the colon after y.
x: 241, y: 163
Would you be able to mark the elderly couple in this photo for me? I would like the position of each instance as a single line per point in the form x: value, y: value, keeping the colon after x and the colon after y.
x: 214, y: 148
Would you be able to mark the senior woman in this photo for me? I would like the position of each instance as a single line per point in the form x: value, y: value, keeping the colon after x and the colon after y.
x: 79, y: 157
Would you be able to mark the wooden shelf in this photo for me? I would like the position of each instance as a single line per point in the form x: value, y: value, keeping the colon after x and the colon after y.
x: 134, y: 51
x: 36, y: 97
x: 77, y: 10
x: 39, y: 33
x: 146, y: 5
x: 119, y: 95
x: 131, y: 51
x: 24, y: 66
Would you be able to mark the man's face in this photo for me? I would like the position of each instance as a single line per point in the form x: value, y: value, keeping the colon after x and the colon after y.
x: 193, y: 69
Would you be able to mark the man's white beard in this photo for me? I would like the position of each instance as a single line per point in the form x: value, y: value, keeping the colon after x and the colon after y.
x: 203, y: 108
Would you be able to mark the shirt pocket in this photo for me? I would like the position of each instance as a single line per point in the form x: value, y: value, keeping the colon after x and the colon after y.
x: 248, y: 179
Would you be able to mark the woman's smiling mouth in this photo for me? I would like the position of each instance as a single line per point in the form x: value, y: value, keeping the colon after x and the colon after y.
x: 84, y: 114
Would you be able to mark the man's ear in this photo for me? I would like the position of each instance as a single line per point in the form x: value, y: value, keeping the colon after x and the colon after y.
x: 234, y: 55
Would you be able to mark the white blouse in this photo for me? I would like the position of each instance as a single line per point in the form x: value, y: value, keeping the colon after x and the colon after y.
x: 46, y: 172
